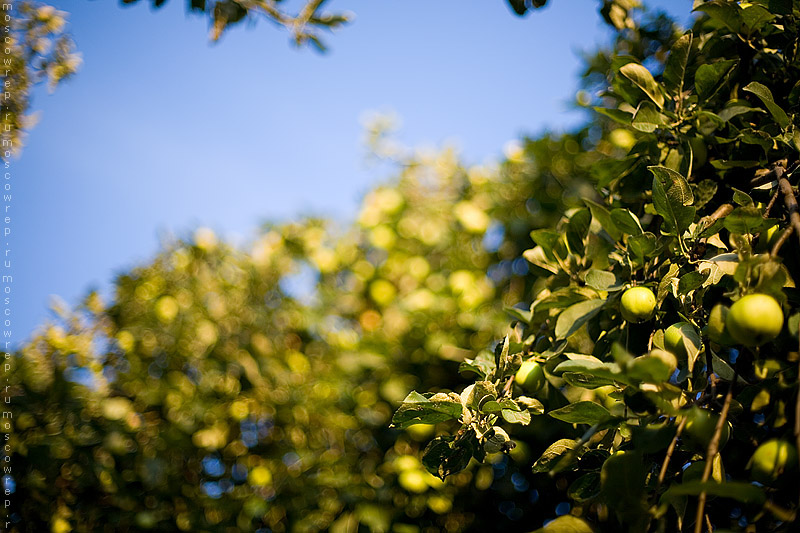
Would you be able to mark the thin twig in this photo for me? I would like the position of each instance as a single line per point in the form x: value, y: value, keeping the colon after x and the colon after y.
x: 711, y: 453
x: 720, y: 213
x: 771, y: 203
x: 790, y: 201
x: 507, y: 386
x: 785, y: 234
x: 769, y: 177
x: 670, y: 450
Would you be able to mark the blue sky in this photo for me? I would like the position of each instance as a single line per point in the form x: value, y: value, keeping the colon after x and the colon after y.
x: 161, y: 132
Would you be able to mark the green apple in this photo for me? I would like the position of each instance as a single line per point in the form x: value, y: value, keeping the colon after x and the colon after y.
x: 638, y: 304
x: 530, y: 376
x: 755, y: 319
x: 681, y: 338
x: 700, y: 427
x: 772, y: 459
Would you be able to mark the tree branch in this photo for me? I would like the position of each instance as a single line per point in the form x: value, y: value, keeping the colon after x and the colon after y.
x: 711, y: 453
x: 670, y: 450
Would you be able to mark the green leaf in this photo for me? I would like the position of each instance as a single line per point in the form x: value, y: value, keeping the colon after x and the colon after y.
x: 516, y: 417
x: 735, y: 108
x: 676, y: 184
x: 617, y: 115
x: 727, y: 13
x: 491, y: 407
x: 548, y: 239
x: 742, y: 198
x: 647, y: 118
x: 703, y: 192
x: 583, y: 369
x: 675, y: 68
x: 482, y: 365
x: 603, y: 217
x: 586, y: 380
x: 653, y: 438
x: 691, y: 281
x: 417, y: 409
x: 476, y: 395
x: 602, y: 280
x: 665, y: 285
x: 585, y: 487
x: 672, y: 199
x: 737, y: 490
x: 765, y: 95
x: 744, y: 220
x: 642, y: 246
x: 723, y: 164
x: 755, y: 17
x: 446, y: 455
x: 577, y: 230
x: 523, y: 315
x: 649, y: 368
x: 533, y: 405
x: 711, y: 77
x: 571, y: 319
x: 581, y: 413
x: 562, y: 298
x: 552, y: 455
x: 642, y: 78
x: 759, y: 138
x: 626, y: 221
x: 566, y: 524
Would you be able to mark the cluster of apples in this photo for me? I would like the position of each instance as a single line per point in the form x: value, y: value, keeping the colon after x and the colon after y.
x: 753, y: 320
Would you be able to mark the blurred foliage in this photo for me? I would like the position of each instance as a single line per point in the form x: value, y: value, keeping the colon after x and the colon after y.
x: 36, y: 49
x: 220, y: 390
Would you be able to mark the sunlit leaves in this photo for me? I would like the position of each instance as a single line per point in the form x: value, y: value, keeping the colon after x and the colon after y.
x: 417, y: 409
x: 642, y: 78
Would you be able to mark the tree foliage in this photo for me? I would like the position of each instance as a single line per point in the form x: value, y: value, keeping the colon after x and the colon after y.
x: 700, y: 209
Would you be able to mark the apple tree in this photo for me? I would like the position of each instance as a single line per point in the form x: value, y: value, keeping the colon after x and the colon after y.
x: 663, y: 314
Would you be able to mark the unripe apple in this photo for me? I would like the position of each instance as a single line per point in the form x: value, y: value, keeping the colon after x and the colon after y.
x: 530, y: 376
x: 700, y: 427
x: 638, y: 304
x: 681, y: 338
x: 772, y: 459
x: 755, y: 319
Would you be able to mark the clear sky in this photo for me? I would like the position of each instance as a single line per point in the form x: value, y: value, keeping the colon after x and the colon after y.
x: 161, y: 132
